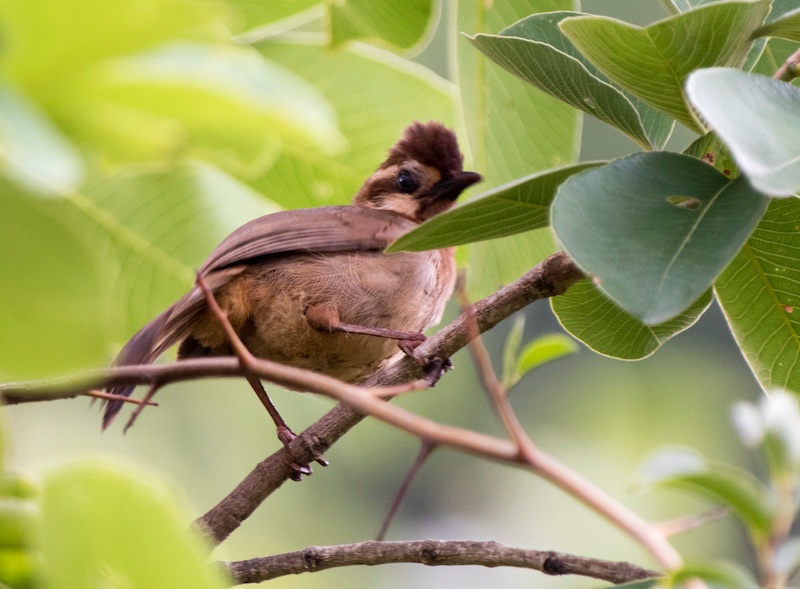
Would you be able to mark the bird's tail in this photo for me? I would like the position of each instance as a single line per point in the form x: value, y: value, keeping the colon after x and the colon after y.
x: 152, y: 340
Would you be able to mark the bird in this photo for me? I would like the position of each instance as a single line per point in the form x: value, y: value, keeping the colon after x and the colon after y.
x: 313, y: 288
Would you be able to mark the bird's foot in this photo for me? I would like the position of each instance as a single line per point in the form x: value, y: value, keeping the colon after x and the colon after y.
x: 299, y: 468
x: 433, y: 367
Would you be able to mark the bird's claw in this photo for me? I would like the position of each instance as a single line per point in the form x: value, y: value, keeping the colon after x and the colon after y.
x: 286, y: 436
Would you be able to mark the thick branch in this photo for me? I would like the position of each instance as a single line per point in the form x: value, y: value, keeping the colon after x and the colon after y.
x: 431, y: 553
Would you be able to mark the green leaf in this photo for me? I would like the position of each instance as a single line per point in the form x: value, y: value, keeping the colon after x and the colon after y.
x: 758, y: 294
x: 651, y: 250
x: 37, y: 52
x: 733, y: 487
x: 368, y: 19
x: 161, y: 225
x: 786, y: 27
x: 161, y: 103
x: 33, y: 151
x: 536, y: 50
x: 687, y: 5
x: 715, y: 575
x: 248, y: 15
x: 592, y: 318
x: 362, y: 84
x: 514, y: 130
x: 715, y: 153
x: 53, y: 306
x: 653, y: 62
x: 105, y: 526
x: 18, y: 520
x: 544, y: 349
x: 521, y: 205
x: 756, y: 117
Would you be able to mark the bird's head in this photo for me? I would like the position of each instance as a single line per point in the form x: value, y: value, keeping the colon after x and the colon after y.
x: 422, y: 177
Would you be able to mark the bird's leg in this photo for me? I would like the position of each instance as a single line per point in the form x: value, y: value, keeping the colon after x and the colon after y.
x: 325, y: 317
x: 285, y: 434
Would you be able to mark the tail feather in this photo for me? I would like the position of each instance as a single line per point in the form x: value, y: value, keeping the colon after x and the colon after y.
x: 153, y: 340
x: 164, y: 331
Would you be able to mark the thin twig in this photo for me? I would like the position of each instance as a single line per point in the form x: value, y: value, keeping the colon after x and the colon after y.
x: 425, y: 450
x: 431, y: 553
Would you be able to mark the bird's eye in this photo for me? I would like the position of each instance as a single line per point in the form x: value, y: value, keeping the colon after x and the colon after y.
x: 405, y: 182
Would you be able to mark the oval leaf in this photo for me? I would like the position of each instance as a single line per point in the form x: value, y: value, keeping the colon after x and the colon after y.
x: 521, y: 205
x: 649, y: 253
x: 535, y: 50
x: 757, y: 118
x: 653, y: 62
x: 592, y: 318
x: 545, y: 349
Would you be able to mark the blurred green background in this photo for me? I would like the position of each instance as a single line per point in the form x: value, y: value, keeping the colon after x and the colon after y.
x: 600, y: 416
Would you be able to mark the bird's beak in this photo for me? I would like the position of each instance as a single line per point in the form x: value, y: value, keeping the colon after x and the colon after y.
x: 452, y: 187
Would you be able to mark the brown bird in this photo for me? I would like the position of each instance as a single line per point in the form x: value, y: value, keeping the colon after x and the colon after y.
x: 312, y: 287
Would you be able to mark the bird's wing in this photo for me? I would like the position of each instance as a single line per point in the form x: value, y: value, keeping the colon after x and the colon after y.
x: 321, y: 229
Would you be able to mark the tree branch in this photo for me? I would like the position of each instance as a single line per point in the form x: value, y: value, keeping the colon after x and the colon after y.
x: 431, y: 553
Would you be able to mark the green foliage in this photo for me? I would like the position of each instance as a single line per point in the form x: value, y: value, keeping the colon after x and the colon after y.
x: 766, y: 509
x: 103, y: 525
x: 513, y: 130
x: 651, y: 251
x: 758, y: 293
x: 653, y: 62
x: 536, y: 50
x: 755, y: 117
x: 522, y: 205
x: 517, y: 363
x: 591, y: 317
x: 655, y: 231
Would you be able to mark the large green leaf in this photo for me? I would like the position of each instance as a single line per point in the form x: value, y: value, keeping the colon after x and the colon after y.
x: 536, y: 50
x: 591, y: 317
x: 49, y: 40
x: 33, y: 151
x: 514, y: 130
x: 786, y: 27
x: 759, y: 295
x: 516, y: 207
x: 53, y: 301
x: 247, y: 15
x: 653, y: 62
x: 364, y: 85
x: 161, y: 225
x: 655, y: 229
x: 756, y: 117
x: 225, y: 103
x: 402, y: 24
x: 106, y: 527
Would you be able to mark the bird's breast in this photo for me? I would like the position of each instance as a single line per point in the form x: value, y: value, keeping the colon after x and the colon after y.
x: 404, y: 291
